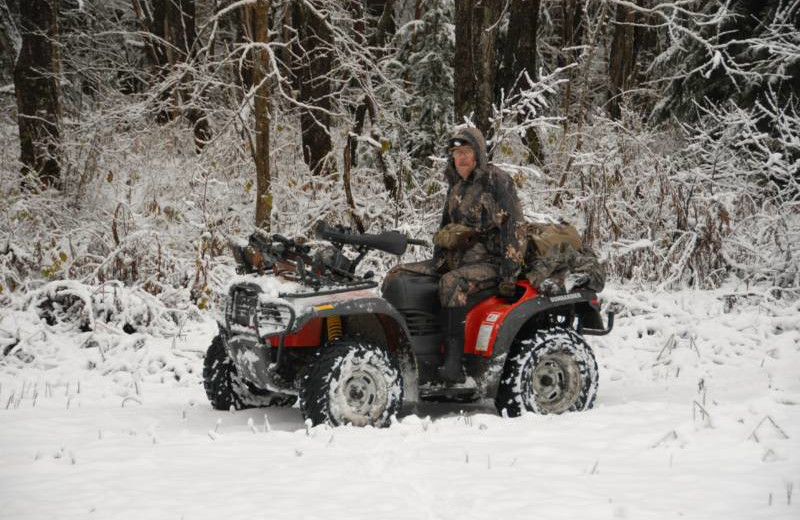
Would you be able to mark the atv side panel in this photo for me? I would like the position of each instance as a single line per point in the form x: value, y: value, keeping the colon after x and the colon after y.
x: 417, y: 299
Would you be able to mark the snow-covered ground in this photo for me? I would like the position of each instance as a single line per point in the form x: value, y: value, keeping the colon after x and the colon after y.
x: 697, y: 416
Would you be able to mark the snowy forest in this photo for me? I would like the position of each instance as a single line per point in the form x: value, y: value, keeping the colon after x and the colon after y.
x: 142, y: 134
x: 141, y: 138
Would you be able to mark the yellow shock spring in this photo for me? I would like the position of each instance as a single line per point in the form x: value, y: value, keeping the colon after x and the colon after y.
x: 334, y: 324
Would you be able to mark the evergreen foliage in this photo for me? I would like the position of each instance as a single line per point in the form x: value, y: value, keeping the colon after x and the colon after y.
x: 427, y: 57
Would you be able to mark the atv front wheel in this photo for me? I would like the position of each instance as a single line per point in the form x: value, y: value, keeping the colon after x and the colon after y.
x: 553, y: 372
x: 352, y: 382
x: 224, y: 388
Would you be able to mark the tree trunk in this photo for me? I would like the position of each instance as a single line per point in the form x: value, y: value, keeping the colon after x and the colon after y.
x: 622, y: 58
x: 172, y: 23
x: 10, y: 41
x: 386, y: 26
x: 180, y: 23
x: 314, y: 72
x: 263, y: 179
x: 245, y: 32
x: 571, y: 36
x: 519, y: 56
x: 36, y: 81
x: 385, y: 29
x: 520, y: 45
x: 477, y: 23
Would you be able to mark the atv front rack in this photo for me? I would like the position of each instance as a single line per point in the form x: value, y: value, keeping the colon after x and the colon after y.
x: 341, y: 287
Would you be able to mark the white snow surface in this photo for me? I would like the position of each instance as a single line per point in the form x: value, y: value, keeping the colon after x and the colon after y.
x: 697, y: 417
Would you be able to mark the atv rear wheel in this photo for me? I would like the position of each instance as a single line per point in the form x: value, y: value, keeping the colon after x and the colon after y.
x: 553, y: 372
x: 225, y: 389
x: 352, y: 382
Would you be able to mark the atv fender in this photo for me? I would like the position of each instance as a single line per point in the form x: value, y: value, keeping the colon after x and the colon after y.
x: 586, y: 307
x: 375, y: 319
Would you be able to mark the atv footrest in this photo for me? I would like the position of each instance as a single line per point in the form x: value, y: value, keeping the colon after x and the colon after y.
x: 441, y: 392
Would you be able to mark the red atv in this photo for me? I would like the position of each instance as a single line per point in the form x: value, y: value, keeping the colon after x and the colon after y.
x: 301, y: 325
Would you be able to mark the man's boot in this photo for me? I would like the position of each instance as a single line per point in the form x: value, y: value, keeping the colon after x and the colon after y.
x: 454, y: 318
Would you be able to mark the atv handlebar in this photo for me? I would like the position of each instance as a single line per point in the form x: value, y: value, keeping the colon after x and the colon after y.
x: 392, y: 242
x: 417, y: 242
x: 291, y: 257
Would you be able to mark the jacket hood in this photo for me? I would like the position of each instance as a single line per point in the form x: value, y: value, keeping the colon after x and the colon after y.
x: 475, y: 138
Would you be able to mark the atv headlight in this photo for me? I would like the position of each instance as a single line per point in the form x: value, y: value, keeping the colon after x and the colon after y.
x: 243, y: 308
x: 274, y: 318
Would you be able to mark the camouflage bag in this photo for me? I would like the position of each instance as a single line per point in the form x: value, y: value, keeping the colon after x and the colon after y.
x: 555, y: 252
x: 548, y: 237
x: 456, y: 237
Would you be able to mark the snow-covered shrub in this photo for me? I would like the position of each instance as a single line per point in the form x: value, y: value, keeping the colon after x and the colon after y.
x: 72, y: 306
x: 683, y: 204
x: 747, y: 161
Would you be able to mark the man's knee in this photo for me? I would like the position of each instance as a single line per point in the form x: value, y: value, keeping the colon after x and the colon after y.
x: 453, y: 290
x: 456, y: 286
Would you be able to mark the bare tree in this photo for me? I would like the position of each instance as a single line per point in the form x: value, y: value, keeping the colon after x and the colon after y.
x: 36, y: 81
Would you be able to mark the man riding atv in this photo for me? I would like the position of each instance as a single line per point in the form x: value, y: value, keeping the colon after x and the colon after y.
x: 300, y: 322
x: 478, y: 245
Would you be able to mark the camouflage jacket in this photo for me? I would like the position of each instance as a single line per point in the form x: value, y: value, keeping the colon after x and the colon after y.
x: 486, y: 201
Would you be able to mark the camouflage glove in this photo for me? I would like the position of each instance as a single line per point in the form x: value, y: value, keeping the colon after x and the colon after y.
x: 455, y: 237
x: 507, y: 289
x: 551, y: 287
x: 577, y: 281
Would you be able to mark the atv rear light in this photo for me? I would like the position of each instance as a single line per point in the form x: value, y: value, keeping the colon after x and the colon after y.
x: 274, y: 318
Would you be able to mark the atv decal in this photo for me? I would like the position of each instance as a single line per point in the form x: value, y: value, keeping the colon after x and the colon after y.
x: 492, y: 317
x: 566, y: 297
x: 484, y: 335
x: 485, y: 331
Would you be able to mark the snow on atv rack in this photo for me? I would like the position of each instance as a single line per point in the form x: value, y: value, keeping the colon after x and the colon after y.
x: 327, y: 273
x: 340, y: 288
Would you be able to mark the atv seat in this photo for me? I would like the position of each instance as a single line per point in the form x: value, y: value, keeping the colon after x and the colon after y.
x: 422, y: 293
x: 478, y: 297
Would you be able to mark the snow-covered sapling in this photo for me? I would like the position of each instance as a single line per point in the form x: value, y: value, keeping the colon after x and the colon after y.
x: 704, y: 415
x: 777, y: 428
x: 130, y: 398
